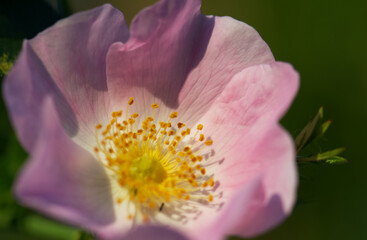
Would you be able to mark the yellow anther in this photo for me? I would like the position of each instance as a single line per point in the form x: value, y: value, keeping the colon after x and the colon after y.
x: 210, y: 198
x: 131, y: 101
x: 202, y: 137
x: 152, y: 166
x: 186, y: 149
x: 151, y: 205
x: 141, y: 199
x: 116, y: 114
x: 211, y: 182
x: 173, y: 115
x: 188, y: 131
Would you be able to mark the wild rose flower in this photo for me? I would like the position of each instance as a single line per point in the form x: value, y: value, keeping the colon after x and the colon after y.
x: 171, y: 123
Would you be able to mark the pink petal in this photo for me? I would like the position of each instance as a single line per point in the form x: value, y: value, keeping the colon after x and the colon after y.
x: 153, y: 233
x: 249, y: 144
x: 63, y: 180
x: 181, y: 59
x: 66, y: 61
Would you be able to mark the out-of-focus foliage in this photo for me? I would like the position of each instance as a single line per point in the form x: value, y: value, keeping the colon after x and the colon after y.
x: 5, y: 64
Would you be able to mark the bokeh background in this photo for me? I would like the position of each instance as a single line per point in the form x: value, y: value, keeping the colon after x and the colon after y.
x: 326, y: 41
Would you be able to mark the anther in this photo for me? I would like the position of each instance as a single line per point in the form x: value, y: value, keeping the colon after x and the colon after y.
x: 202, y: 137
x: 131, y: 101
x: 173, y: 115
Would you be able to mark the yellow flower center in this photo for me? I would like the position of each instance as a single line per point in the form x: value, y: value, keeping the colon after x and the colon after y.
x: 157, y: 165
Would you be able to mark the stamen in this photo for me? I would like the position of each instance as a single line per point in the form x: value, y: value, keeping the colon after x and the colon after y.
x: 153, y: 162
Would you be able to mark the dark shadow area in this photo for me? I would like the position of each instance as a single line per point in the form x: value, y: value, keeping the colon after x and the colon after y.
x: 25, y: 18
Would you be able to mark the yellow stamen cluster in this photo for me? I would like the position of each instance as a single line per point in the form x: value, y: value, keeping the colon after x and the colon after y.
x: 158, y: 164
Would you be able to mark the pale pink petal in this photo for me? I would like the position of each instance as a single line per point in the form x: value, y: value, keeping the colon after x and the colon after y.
x: 248, y: 143
x: 249, y: 212
x: 181, y: 59
x: 67, y: 62
x: 63, y: 180
x: 154, y: 233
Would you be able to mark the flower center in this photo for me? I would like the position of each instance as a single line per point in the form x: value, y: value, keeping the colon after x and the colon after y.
x: 145, y: 168
x: 155, y: 165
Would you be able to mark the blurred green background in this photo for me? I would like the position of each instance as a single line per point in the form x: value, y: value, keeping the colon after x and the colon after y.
x: 326, y: 41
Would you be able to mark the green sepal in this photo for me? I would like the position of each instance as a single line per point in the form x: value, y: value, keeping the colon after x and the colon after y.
x: 305, y: 136
x: 330, y: 157
x: 336, y: 160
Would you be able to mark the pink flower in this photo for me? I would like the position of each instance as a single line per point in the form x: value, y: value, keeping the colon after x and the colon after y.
x: 204, y: 154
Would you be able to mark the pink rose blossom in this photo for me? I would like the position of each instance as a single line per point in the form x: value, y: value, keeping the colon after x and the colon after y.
x: 170, y: 127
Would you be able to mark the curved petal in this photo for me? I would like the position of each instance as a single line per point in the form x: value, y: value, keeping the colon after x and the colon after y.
x: 272, y: 192
x: 67, y: 62
x: 277, y: 164
x: 63, y: 180
x: 181, y: 59
x: 153, y: 233
x: 249, y: 144
x: 250, y: 105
